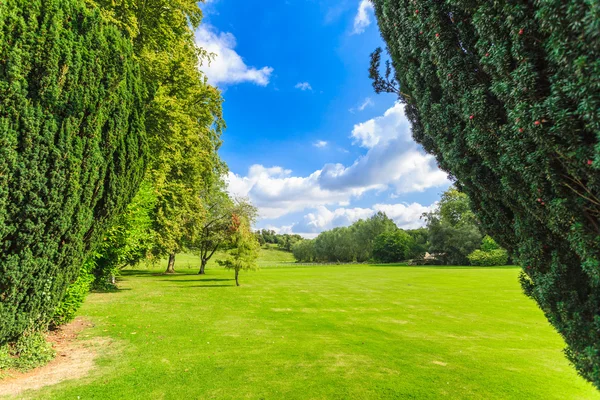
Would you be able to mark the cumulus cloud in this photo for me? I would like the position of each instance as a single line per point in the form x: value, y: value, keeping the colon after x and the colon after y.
x: 228, y: 67
x: 363, y: 16
x: 276, y: 193
x: 392, y: 161
x: 320, y: 144
x: 406, y: 216
x: 303, y: 86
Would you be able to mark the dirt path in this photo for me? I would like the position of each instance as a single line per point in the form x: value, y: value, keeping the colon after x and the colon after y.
x: 74, y: 359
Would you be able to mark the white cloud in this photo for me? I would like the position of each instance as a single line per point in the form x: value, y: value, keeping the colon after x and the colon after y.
x: 320, y: 144
x: 280, y: 230
x: 392, y: 125
x: 367, y: 102
x: 406, y: 216
x: 363, y: 16
x: 303, y: 86
x: 228, y: 67
x: 276, y: 193
x: 392, y: 161
x: 323, y: 219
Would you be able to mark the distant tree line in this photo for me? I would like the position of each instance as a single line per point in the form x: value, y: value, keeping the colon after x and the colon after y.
x: 452, y: 236
x: 284, y: 241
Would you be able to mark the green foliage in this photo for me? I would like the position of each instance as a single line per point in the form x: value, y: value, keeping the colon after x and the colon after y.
x: 74, y: 295
x: 304, y: 251
x: 246, y: 248
x: 127, y: 242
x: 72, y: 148
x: 213, y: 228
x: 489, y: 254
x: 353, y: 243
x: 285, y: 241
x: 453, y: 231
x: 505, y: 94
x: 488, y: 258
x: 489, y: 244
x: 421, y: 243
x: 395, y: 246
x: 31, y: 350
x: 183, y: 122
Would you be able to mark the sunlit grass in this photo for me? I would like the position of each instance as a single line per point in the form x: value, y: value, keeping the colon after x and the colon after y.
x: 329, y: 332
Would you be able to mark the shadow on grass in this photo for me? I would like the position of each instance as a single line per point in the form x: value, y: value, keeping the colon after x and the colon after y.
x: 444, y: 266
x: 205, y: 286
x: 195, y: 280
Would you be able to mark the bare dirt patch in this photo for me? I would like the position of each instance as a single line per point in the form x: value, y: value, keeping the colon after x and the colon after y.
x: 74, y: 359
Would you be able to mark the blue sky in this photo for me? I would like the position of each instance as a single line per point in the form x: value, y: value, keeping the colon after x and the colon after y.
x: 307, y: 139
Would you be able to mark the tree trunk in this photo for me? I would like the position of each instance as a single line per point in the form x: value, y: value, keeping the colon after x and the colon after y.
x: 237, y: 283
x: 171, y: 265
x: 202, y: 265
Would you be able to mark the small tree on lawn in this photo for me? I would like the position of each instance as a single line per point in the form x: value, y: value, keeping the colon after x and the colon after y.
x: 214, y: 228
x: 245, y: 248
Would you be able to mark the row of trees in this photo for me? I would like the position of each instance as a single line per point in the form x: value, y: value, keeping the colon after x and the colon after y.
x: 505, y: 95
x: 109, y: 135
x: 452, y: 236
x: 359, y: 242
x: 284, y: 241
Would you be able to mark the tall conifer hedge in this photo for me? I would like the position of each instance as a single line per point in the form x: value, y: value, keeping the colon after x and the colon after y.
x: 72, y: 147
x: 506, y: 94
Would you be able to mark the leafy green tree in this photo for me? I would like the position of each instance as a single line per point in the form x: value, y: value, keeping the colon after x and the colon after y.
x: 421, y: 244
x: 245, y: 250
x: 304, y: 250
x: 127, y: 242
x: 183, y: 119
x: 452, y: 228
x: 489, y: 244
x: 214, y: 227
x: 336, y: 245
x: 505, y: 94
x: 393, y: 246
x: 365, y: 232
x: 72, y: 148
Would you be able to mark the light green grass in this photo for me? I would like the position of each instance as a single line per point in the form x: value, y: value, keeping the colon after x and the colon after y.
x: 334, y: 332
x: 268, y: 257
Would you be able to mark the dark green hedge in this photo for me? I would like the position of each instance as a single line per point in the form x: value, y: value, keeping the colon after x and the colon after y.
x: 72, y: 148
x: 506, y: 94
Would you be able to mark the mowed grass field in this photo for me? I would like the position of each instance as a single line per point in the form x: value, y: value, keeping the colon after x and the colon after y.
x: 323, y: 332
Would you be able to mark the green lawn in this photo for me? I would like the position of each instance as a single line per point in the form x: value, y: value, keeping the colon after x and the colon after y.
x: 329, y: 332
x: 269, y: 257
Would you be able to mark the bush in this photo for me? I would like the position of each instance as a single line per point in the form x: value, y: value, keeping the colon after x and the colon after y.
x: 390, y: 247
x: 74, y: 296
x: 488, y: 258
x: 30, y: 351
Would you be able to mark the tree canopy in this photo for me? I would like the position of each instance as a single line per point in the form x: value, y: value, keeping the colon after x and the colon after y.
x: 72, y: 148
x: 505, y: 95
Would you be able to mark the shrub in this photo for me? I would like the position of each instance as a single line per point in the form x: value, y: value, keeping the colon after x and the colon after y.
x: 74, y: 296
x: 31, y: 350
x: 72, y: 148
x: 488, y: 258
x: 392, y: 247
x: 489, y: 244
